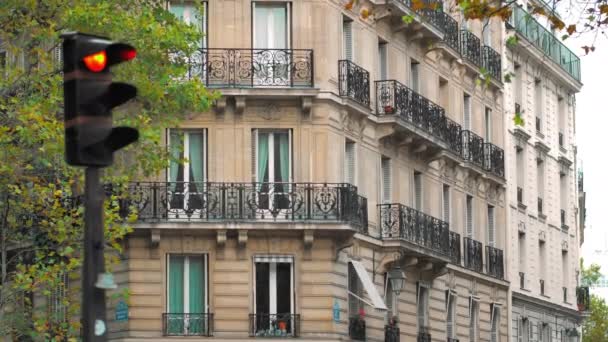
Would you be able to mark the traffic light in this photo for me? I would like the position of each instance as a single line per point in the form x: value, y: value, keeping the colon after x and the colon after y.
x: 90, y: 95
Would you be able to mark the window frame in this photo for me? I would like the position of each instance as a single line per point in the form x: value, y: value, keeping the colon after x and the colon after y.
x: 425, y: 320
x: 347, y: 44
x: 255, y: 142
x: 446, y: 216
x: 418, y: 183
x: 186, y: 256
x: 386, y: 180
x: 288, y: 14
x: 451, y: 305
x: 474, y: 313
x: 349, y: 142
x: 204, y: 18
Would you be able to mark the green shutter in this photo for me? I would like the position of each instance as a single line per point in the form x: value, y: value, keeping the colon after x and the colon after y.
x: 196, y: 293
x: 175, y: 323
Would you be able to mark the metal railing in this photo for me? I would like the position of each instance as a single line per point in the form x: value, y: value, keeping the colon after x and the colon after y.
x: 449, y: 26
x: 353, y: 82
x: 540, y: 206
x: 470, y: 47
x: 246, y: 68
x: 495, y: 262
x: 494, y: 159
x: 472, y: 148
x: 398, y: 221
x: 453, y: 339
x: 211, y: 201
x: 394, y: 98
x: 391, y: 333
x: 454, y: 246
x: 430, y: 10
x: 424, y: 336
x: 491, y: 62
x: 356, y: 328
x: 473, y: 255
x: 187, y: 324
x: 583, y: 299
x: 452, y: 135
x: 274, y: 325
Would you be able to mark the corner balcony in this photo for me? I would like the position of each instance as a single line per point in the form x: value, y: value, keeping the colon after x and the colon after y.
x: 491, y: 61
x: 470, y: 47
x: 495, y: 262
x: 422, y: 236
x: 473, y: 255
x: 494, y: 159
x: 454, y: 246
x: 222, y: 204
x: 473, y: 148
x: 426, y: 16
x: 450, y: 27
x: 354, y: 83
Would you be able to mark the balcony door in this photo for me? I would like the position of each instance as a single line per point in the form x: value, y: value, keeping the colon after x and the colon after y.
x: 187, y: 173
x: 271, y: 57
x: 188, y: 12
x: 274, y: 295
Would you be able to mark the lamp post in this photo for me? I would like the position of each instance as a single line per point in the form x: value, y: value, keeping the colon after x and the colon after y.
x: 397, y: 279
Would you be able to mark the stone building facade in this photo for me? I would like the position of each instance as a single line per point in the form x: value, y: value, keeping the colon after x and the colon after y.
x: 349, y: 150
x: 542, y: 184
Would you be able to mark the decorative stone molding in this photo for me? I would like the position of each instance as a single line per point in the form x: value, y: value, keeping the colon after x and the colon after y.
x: 542, y: 236
x: 242, y: 239
x: 306, y: 105
x: 521, y: 227
x: 239, y: 104
x: 221, y: 238
x: 220, y: 104
x: 270, y: 111
x: 154, y: 238
x: 309, y: 237
x: 564, y: 165
x: 541, y: 151
x: 564, y: 246
x: 521, y: 138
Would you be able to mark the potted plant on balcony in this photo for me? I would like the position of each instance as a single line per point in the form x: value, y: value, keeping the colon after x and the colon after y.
x: 388, y: 109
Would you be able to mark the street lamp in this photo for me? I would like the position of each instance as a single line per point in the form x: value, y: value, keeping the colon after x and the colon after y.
x: 397, y: 279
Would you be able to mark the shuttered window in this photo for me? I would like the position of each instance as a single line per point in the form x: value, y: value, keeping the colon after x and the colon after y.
x: 418, y: 190
x: 474, y: 319
x: 495, y: 322
x: 186, y: 294
x: 347, y: 38
x: 422, y: 307
x: 469, y: 216
x: 386, y: 179
x: 488, y: 122
x: 415, y: 76
x: 446, y: 203
x: 466, y: 109
x: 451, y: 313
x: 382, y: 60
x: 349, y: 162
x: 491, y: 227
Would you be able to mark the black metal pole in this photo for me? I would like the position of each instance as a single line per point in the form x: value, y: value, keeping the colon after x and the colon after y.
x: 93, y: 298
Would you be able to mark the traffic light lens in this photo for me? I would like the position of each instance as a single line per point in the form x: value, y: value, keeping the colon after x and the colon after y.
x: 96, y: 62
x: 128, y: 54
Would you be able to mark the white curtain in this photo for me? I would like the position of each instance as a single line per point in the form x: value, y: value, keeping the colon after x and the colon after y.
x: 270, y: 29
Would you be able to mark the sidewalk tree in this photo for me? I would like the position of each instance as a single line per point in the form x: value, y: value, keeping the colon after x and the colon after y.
x: 595, y: 327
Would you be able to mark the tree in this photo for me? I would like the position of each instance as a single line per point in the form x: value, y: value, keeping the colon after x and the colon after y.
x: 40, y: 207
x: 590, y: 275
x: 595, y: 327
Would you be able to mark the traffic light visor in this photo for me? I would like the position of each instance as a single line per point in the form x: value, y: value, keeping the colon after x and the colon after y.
x: 96, y: 62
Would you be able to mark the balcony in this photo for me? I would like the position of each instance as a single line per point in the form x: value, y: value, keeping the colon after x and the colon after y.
x: 452, y: 135
x: 255, y: 68
x: 391, y: 333
x: 356, y: 328
x: 473, y: 258
x: 187, y: 324
x: 426, y: 14
x: 491, y: 62
x: 353, y: 82
x: 470, y: 47
x: 583, y: 299
x: 424, y: 335
x: 472, y: 148
x: 454, y: 246
x: 449, y: 25
x: 399, y: 222
x: 274, y: 325
x: 494, y: 159
x: 494, y: 262
x: 233, y: 202
x: 546, y: 42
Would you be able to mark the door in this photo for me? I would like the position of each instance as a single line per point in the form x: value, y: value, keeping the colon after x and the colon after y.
x: 274, y: 296
x: 187, y: 174
x: 271, y: 57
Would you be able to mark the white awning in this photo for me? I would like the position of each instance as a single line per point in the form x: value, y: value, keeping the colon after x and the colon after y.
x: 369, y: 286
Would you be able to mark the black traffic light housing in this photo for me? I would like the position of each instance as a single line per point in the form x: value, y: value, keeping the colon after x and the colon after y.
x: 90, y: 95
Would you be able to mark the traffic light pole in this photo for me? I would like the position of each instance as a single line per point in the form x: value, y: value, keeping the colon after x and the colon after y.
x: 93, y: 298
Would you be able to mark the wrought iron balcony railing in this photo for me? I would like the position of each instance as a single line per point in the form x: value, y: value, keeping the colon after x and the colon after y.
x: 470, y: 47
x: 494, y: 262
x: 494, y: 159
x: 472, y: 148
x: 522, y: 280
x: 583, y: 299
x: 209, y: 201
x: 391, y: 333
x: 473, y: 258
x: 491, y: 62
x: 450, y: 28
x: 393, y: 98
x: 250, y: 68
x: 455, y: 248
x: 423, y: 336
x: 353, y: 82
x: 398, y: 221
x: 452, y: 135
x: 274, y: 325
x: 540, y: 206
x: 453, y: 339
x: 429, y: 9
x: 187, y: 324
x: 356, y: 328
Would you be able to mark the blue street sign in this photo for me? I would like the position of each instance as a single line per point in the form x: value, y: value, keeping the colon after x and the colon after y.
x: 122, y: 311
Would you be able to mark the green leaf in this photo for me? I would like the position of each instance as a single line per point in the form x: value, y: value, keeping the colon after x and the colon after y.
x: 408, y: 19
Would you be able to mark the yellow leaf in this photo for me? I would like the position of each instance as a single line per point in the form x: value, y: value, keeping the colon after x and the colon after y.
x: 571, y: 29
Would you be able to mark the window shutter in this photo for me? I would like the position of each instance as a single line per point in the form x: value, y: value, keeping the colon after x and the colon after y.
x: 469, y: 216
x: 421, y: 313
x: 520, y: 330
x: 347, y: 37
x: 386, y: 180
x: 349, y: 162
x: 450, y: 313
x: 382, y: 56
x: 254, y: 149
x: 491, y: 229
x: 446, y: 203
x: 467, y: 111
x: 418, y: 190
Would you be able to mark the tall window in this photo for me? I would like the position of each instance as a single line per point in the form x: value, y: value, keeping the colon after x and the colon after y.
x: 188, y: 12
x: 469, y: 216
x: 382, y: 60
x: 522, y: 260
x: 444, y: 94
x: 466, y: 111
x: 491, y: 227
x: 446, y: 203
x: 563, y: 188
x: 422, y: 304
x: 350, y: 162
x: 187, y: 169
x: 347, y: 38
x: 386, y: 179
x: 451, y: 313
x: 520, y: 167
x: 415, y: 76
x: 495, y: 323
x: 272, y: 166
x: 538, y: 102
x: 274, y: 294
x: 565, y: 274
x: 187, y: 296
x: 540, y: 185
x: 392, y: 301
x: 562, y: 108
x: 418, y: 190
x: 354, y: 287
x: 518, y: 83
x: 271, y: 25
x: 473, y: 319
x: 488, y: 124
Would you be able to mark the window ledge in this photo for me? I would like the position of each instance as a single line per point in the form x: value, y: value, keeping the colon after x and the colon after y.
x: 540, y: 134
x: 521, y: 206
x: 542, y: 217
x: 544, y: 295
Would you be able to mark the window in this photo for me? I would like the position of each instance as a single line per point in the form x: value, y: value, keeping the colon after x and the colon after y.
x: 522, y: 260
x: 272, y: 167
x: 565, y: 275
x: 347, y: 38
x: 350, y: 162
x: 382, y: 60
x: 444, y: 94
x: 187, y: 299
x: 418, y: 190
x: 422, y: 304
x: 187, y: 170
x: 271, y: 26
x: 188, y: 12
x: 466, y: 110
x: 451, y: 313
x: 446, y: 203
x: 495, y: 322
x: 474, y: 318
x: 56, y: 299
x: 491, y: 227
x: 386, y: 179
x: 392, y: 301
x: 519, y: 164
x: 469, y: 216
x: 538, y: 98
x: 415, y: 76
x: 274, y: 294
x: 518, y: 83
x: 355, y: 292
x: 561, y: 107
x: 542, y: 261
x: 563, y: 200
x: 488, y: 124
x: 540, y: 185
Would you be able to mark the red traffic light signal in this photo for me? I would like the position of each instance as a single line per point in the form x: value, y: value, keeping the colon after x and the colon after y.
x: 96, y: 62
